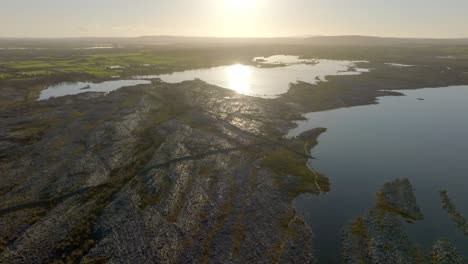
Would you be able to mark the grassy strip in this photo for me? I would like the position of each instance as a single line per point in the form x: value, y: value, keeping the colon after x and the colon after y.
x: 284, y: 161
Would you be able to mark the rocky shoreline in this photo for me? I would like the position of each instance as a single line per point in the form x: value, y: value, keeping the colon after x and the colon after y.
x: 378, y: 235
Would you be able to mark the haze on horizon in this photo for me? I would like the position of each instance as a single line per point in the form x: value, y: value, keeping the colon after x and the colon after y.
x: 233, y: 18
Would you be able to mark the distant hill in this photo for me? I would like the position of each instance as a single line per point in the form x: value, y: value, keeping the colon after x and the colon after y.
x: 379, y: 41
x: 181, y: 40
x: 314, y: 40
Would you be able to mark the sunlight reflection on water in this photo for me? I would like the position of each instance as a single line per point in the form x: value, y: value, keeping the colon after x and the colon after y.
x: 259, y: 79
x: 262, y: 80
x: 239, y: 78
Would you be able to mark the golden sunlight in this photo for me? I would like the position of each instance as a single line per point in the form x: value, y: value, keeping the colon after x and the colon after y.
x: 239, y: 4
x: 239, y: 78
x: 239, y: 18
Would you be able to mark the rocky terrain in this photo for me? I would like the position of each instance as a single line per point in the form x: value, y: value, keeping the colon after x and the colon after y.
x: 153, y: 174
x: 379, y: 237
x: 443, y: 252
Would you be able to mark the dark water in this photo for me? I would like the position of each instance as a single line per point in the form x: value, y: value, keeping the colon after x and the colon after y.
x: 364, y: 147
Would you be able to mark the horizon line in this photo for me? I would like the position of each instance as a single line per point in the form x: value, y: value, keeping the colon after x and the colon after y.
x: 304, y: 36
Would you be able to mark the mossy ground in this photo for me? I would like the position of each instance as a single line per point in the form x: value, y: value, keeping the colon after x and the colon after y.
x: 291, y: 159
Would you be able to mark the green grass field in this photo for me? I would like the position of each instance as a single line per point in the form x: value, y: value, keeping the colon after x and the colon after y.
x: 27, y: 64
x: 20, y: 65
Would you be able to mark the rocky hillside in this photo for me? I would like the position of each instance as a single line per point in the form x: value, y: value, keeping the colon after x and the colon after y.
x: 153, y: 174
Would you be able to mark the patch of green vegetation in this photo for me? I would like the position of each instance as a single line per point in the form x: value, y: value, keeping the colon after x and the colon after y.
x: 88, y: 126
x: 173, y: 106
x: 130, y: 101
x: 98, y: 63
x: 31, y: 132
x: 456, y: 49
x: 76, y: 114
x: 5, y: 75
x: 33, y: 93
x: 284, y: 162
x: 30, y: 64
x: 287, y: 160
x: 157, y: 60
x: 311, y: 140
x: 35, y: 72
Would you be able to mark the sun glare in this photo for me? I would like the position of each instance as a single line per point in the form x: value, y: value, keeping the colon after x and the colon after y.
x: 239, y: 4
x: 239, y: 78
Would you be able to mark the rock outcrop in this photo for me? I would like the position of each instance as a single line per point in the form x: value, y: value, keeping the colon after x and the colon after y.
x: 458, y: 219
x: 443, y: 252
x: 151, y: 174
x: 377, y: 236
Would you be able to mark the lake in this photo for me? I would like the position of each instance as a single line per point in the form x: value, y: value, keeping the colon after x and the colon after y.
x: 267, y: 82
x: 366, y: 146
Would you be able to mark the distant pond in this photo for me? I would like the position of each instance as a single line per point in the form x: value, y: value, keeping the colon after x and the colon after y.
x: 71, y: 88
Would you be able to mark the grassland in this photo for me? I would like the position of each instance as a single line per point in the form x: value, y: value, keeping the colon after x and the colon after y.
x: 102, y: 64
x: 286, y: 161
x: 98, y: 65
x: 138, y: 60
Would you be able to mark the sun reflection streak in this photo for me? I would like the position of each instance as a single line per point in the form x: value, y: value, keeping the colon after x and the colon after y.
x: 239, y: 78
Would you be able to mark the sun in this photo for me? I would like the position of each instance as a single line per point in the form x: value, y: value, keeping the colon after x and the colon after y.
x: 238, y: 18
x: 239, y: 4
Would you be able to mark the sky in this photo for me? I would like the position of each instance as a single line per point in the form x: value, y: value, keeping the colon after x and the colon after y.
x: 233, y: 18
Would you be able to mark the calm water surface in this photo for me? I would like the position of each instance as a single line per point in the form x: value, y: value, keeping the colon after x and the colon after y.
x: 265, y: 82
x: 245, y: 79
x: 366, y: 146
x: 71, y: 88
